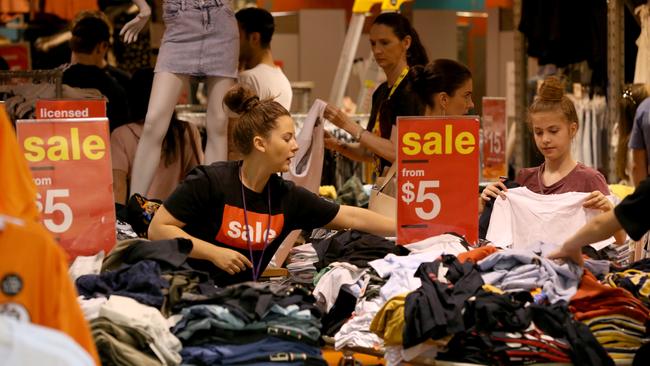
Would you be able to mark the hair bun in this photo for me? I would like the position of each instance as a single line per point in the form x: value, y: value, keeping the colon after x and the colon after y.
x: 240, y: 99
x: 552, y: 89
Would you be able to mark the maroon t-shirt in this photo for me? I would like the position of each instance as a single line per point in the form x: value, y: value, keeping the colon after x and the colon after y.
x: 580, y: 179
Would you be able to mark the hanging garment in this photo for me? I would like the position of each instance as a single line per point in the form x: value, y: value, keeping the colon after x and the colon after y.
x: 642, y: 69
x: 34, y: 282
x: 18, y: 194
x: 68, y: 9
x: 28, y: 344
x: 538, y: 222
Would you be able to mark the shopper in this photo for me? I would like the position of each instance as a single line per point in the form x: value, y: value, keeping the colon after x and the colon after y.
x: 631, y: 215
x: 181, y: 146
x: 640, y: 139
x: 396, y: 47
x: 90, y: 43
x: 237, y: 213
x: 554, y: 122
x: 257, y: 68
x: 444, y: 87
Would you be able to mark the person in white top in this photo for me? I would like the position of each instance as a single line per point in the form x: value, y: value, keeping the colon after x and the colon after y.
x: 257, y: 68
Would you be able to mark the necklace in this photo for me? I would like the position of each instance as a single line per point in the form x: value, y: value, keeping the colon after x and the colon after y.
x: 256, y: 267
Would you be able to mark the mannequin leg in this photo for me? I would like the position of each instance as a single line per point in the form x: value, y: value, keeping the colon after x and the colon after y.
x: 164, y: 95
x: 217, y: 121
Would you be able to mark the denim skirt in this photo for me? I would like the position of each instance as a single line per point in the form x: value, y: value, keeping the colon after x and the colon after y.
x: 201, y: 38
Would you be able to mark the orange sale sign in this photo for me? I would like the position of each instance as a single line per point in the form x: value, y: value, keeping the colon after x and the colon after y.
x: 70, y: 108
x: 494, y: 139
x: 71, y: 165
x: 437, y: 178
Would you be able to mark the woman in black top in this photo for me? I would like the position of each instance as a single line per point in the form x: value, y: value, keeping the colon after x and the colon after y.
x: 237, y: 213
x: 396, y: 47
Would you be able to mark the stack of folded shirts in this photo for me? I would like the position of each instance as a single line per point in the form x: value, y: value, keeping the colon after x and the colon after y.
x: 301, y: 263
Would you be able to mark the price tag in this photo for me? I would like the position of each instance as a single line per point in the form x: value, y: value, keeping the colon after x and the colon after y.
x: 437, y: 177
x: 494, y: 162
x: 71, y: 166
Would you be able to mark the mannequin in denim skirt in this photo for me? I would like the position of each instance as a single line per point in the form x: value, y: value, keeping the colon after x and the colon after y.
x: 201, y: 39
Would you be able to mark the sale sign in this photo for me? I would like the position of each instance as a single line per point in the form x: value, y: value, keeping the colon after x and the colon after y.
x: 17, y: 56
x: 71, y: 165
x: 70, y: 108
x: 437, y: 177
x: 494, y: 163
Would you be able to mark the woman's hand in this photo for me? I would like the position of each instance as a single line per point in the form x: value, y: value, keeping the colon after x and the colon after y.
x: 331, y: 142
x: 130, y: 31
x: 574, y: 255
x: 598, y: 201
x: 230, y: 260
x: 335, y: 116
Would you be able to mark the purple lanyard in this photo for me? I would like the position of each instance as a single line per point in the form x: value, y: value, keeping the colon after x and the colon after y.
x: 256, y: 267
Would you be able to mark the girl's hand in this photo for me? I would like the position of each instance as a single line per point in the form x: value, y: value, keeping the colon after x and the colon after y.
x: 598, y: 201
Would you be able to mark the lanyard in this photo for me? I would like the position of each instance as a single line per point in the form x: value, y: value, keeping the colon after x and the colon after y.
x: 401, y: 77
x: 256, y: 267
x: 376, y: 128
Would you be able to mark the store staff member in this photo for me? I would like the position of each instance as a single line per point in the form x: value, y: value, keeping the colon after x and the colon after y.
x: 237, y: 213
x: 631, y: 215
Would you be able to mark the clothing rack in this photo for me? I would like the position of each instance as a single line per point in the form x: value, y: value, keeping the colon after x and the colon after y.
x: 51, y: 76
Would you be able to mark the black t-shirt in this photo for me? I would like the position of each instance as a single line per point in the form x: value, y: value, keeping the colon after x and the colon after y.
x: 210, y: 202
x: 633, y: 211
x: 403, y: 102
x: 89, y: 76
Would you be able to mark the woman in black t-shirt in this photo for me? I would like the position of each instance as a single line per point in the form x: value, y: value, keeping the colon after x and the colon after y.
x: 396, y: 46
x: 237, y: 213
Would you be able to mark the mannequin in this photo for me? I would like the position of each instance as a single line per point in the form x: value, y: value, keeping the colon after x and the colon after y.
x: 211, y: 50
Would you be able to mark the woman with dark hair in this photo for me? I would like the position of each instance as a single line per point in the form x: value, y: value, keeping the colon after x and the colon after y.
x: 237, y: 213
x: 396, y: 47
x: 444, y: 87
x: 181, y: 147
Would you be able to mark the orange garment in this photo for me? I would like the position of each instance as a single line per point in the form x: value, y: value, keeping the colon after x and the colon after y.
x: 34, y: 282
x: 18, y: 193
x: 67, y: 9
x: 14, y: 6
x: 477, y: 254
x: 595, y: 299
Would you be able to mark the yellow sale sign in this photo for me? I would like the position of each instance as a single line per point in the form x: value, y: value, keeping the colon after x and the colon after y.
x: 437, y: 178
x: 71, y: 165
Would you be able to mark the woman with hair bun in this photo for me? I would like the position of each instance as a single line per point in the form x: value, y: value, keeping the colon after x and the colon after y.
x: 444, y: 87
x: 554, y: 122
x: 237, y: 213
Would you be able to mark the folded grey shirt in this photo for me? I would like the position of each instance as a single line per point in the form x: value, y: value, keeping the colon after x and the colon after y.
x: 517, y: 269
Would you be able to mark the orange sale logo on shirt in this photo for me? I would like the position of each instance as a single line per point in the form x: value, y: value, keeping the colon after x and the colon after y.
x: 235, y: 233
x: 437, y: 177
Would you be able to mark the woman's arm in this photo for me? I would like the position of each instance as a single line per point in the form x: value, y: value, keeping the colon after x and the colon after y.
x: 600, y: 228
x: 166, y: 226
x: 361, y: 219
x: 385, y: 148
x: 131, y: 29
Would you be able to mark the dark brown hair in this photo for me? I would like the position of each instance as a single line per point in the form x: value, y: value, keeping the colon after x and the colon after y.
x: 551, y: 98
x: 416, y: 54
x: 442, y: 75
x: 256, y: 117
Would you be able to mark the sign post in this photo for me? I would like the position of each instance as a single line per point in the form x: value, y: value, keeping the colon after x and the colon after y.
x: 494, y: 163
x: 71, y: 165
x: 437, y: 178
